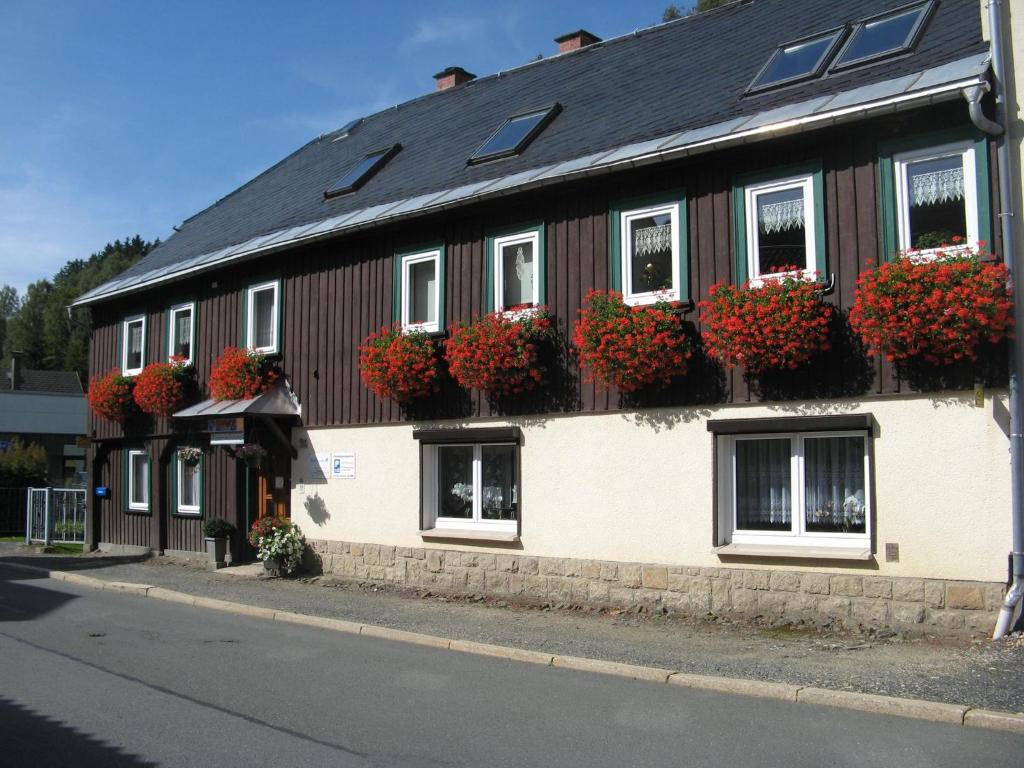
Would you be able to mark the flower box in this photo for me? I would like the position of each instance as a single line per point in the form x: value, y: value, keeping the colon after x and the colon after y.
x: 937, y: 311
x: 630, y: 347
x: 241, y: 374
x: 778, y: 323
x: 110, y: 396
x: 499, y: 353
x: 399, y: 366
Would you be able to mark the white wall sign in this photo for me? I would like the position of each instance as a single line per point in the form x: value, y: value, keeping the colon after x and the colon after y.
x: 319, y: 466
x: 343, y: 466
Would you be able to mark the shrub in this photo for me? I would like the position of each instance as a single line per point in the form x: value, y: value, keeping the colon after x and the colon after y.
x: 498, y: 353
x: 23, y: 465
x: 161, y: 388
x: 241, y: 374
x: 399, y: 366
x: 937, y: 311
x: 217, y: 528
x: 630, y: 347
x: 780, y: 323
x: 110, y: 396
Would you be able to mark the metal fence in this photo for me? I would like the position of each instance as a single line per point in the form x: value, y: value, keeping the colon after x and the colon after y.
x: 55, y: 515
x: 12, y: 511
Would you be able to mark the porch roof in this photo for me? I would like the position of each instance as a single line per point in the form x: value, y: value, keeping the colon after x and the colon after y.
x: 278, y: 401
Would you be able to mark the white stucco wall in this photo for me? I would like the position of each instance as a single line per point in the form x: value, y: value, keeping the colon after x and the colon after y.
x: 638, y: 487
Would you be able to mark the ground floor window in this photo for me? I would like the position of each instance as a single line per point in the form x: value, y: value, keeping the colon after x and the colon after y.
x: 471, y: 485
x: 795, y: 488
x: 138, y: 480
x: 188, y: 482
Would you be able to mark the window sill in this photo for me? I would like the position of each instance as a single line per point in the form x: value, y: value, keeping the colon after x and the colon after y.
x: 469, y: 534
x: 791, y: 552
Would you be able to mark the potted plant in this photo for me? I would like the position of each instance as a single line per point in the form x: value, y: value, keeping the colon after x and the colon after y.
x: 241, y: 374
x: 190, y: 455
x: 397, y: 365
x: 161, y: 388
x: 279, y: 544
x: 217, y: 530
x: 779, y: 322
x: 937, y: 310
x: 498, y: 353
x: 110, y: 396
x: 630, y: 347
x: 252, y: 454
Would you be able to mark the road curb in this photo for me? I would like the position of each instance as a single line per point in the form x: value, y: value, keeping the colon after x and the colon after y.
x: 918, y: 709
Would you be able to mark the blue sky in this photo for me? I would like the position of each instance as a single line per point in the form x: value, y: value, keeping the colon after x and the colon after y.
x: 127, y: 117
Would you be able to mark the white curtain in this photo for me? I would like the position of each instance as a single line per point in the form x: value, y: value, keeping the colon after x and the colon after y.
x: 781, y: 216
x: 763, y: 484
x: 834, y: 484
x: 264, y: 318
x: 656, y: 239
x: 943, y: 186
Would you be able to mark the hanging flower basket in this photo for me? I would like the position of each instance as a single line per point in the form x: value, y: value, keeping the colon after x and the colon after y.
x: 161, y: 388
x: 937, y: 311
x: 630, y: 347
x: 399, y: 366
x: 110, y: 396
x: 498, y: 353
x: 241, y: 374
x: 190, y: 455
x: 252, y: 454
x: 780, y: 323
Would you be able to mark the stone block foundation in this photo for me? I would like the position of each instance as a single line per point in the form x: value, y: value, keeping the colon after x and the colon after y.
x: 932, y: 606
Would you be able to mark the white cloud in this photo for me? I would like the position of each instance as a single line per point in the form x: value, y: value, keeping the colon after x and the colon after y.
x: 445, y: 30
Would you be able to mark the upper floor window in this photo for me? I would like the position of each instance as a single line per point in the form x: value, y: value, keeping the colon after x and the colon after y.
x: 780, y: 229
x: 514, y: 134
x: 262, y: 314
x: 936, y: 200
x: 181, y: 332
x: 138, y: 481
x: 133, y: 345
x: 648, y: 253
x: 515, y: 268
x: 420, y: 278
x: 362, y: 171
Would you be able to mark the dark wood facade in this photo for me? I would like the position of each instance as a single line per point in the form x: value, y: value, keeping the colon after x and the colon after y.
x: 337, y: 292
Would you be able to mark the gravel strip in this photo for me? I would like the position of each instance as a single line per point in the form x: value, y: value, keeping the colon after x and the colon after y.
x: 979, y: 674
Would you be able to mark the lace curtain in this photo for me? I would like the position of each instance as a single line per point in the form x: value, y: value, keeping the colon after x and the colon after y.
x: 656, y: 239
x: 781, y: 216
x: 943, y: 186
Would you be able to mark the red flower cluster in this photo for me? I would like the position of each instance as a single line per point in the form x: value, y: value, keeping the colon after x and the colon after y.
x: 264, y: 526
x: 937, y: 311
x: 780, y: 323
x: 241, y: 374
x: 498, y: 353
x: 160, y: 388
x: 630, y: 347
x: 399, y: 366
x: 110, y: 396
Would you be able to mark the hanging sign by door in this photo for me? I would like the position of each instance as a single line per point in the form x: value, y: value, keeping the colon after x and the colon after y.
x: 226, y: 431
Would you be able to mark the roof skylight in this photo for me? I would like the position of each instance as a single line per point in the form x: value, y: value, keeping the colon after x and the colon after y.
x: 361, y: 172
x: 884, y: 35
x: 514, y: 134
x: 798, y: 60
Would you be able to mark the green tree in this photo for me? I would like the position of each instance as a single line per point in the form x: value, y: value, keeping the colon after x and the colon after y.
x: 23, y: 464
x: 671, y: 13
x: 706, y: 5
x: 8, y: 306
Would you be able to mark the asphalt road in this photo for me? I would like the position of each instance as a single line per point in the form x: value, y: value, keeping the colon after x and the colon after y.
x: 98, y: 679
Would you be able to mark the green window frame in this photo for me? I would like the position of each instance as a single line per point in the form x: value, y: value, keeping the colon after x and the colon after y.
x: 533, y: 231
x: 169, y: 314
x: 200, y: 508
x: 812, y: 172
x: 404, y: 257
x: 127, y: 486
x: 623, y: 209
x: 888, y: 155
x: 246, y: 311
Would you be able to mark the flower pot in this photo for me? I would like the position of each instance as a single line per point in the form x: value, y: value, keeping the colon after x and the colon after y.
x: 272, y: 565
x: 216, y: 549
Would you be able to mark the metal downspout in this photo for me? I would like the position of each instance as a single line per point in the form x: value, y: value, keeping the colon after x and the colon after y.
x: 1007, y: 179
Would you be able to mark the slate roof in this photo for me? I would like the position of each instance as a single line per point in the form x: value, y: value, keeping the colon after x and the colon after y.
x: 669, y: 78
x: 49, y: 382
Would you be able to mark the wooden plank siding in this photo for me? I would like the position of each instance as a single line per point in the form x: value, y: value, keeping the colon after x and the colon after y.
x: 337, y: 292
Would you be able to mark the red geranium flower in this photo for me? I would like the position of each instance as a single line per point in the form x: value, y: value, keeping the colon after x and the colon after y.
x: 110, y: 396
x: 160, y: 388
x: 498, y: 353
x: 399, y: 366
x: 241, y: 374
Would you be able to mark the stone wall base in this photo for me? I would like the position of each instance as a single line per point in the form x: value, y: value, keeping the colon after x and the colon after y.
x: 932, y: 606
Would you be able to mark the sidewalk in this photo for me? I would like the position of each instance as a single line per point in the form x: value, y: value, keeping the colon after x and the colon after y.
x: 981, y: 674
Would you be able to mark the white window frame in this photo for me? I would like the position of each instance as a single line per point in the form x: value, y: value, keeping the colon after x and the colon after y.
x: 804, y: 182
x: 188, y: 509
x: 498, y: 246
x: 626, y: 255
x: 250, y: 325
x: 797, y: 536
x: 409, y: 260
x: 190, y: 306
x: 901, y: 161
x: 140, y: 506
x: 431, y: 489
x: 125, y: 324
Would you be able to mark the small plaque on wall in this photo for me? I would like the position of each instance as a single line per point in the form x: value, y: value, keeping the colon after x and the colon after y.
x: 343, y: 466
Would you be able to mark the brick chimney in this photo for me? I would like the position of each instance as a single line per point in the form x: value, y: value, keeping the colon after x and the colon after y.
x: 452, y: 76
x: 576, y: 40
